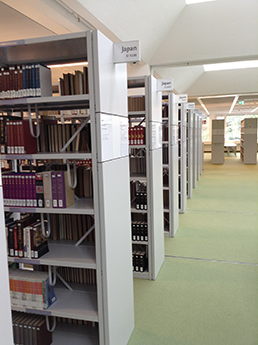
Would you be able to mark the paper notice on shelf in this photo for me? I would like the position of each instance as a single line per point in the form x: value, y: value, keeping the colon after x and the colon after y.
x: 114, y: 137
x: 124, y: 143
x: 156, y: 141
x: 106, y: 137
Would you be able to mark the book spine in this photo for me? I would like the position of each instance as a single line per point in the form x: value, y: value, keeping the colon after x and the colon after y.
x: 8, y: 137
x: 39, y: 189
x: 47, y: 189
x: 11, y: 241
x: 34, y: 193
x: 23, y: 188
x: 54, y: 189
x: 61, y: 189
x: 15, y: 235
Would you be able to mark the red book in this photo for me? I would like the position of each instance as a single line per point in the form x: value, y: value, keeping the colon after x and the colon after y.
x: 8, y: 137
x: 15, y: 234
x: 28, y: 143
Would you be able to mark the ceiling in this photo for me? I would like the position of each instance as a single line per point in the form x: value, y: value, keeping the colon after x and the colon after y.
x: 176, y: 40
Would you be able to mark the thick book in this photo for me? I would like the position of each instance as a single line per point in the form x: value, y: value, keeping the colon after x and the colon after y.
x: 27, y: 144
x: 65, y: 194
x: 39, y: 189
x: 47, y: 189
x: 54, y: 189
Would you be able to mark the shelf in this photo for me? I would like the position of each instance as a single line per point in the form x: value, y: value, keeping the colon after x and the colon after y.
x: 63, y: 253
x: 70, y: 334
x: 134, y: 210
x: 54, y: 155
x: 142, y: 275
x: 137, y: 146
x: 80, y: 305
x: 43, y: 103
x: 138, y: 177
x: 165, y: 188
x: 140, y: 242
x: 81, y: 206
x: 165, y: 165
x: 141, y: 113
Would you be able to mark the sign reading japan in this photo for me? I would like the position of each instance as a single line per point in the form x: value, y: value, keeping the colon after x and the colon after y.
x: 126, y: 52
x: 165, y: 84
x: 182, y: 98
x: 190, y: 105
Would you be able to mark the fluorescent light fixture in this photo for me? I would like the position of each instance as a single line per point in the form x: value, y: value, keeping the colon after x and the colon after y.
x: 254, y: 110
x: 201, y: 102
x: 233, y: 104
x: 190, y: 2
x: 69, y: 64
x: 230, y: 65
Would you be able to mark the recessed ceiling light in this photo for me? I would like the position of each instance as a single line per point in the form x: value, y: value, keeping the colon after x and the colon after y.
x: 230, y: 65
x: 189, y: 2
x: 69, y: 64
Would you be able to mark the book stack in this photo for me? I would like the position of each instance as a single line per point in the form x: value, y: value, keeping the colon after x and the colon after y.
x: 18, y: 138
x: 31, y: 80
x: 25, y: 238
x: 30, y: 289
x: 139, y: 260
x: 136, y: 135
x: 136, y: 103
x: 139, y: 231
x: 78, y: 275
x: 74, y: 84
x: 141, y: 198
x: 137, y: 162
x: 71, y: 227
x: 30, y: 329
x: 43, y: 189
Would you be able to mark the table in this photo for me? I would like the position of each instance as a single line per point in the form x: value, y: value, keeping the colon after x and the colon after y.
x: 230, y: 147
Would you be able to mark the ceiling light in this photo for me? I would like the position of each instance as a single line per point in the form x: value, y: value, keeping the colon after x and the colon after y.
x: 69, y: 64
x: 254, y: 110
x: 233, y: 104
x: 189, y: 2
x: 201, y: 102
x: 230, y: 65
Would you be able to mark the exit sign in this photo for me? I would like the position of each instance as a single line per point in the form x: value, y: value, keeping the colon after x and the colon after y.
x: 241, y: 102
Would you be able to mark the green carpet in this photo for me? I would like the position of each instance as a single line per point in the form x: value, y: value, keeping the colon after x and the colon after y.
x: 197, y: 303
x: 206, y: 291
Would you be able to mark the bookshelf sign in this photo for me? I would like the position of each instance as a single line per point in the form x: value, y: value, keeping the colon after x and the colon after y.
x: 182, y: 98
x: 165, y: 85
x: 126, y: 52
x: 190, y: 105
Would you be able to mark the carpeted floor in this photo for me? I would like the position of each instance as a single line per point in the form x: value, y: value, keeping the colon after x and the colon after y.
x: 206, y: 291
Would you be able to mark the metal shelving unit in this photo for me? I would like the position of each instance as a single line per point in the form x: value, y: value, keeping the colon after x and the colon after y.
x: 170, y: 165
x: 248, y: 146
x: 217, y: 142
x: 151, y: 119
x: 109, y: 304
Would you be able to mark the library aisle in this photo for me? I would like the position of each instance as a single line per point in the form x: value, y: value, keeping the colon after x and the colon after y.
x: 206, y: 291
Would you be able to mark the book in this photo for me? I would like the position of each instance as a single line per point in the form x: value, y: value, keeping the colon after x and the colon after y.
x: 47, y: 187
x: 65, y: 195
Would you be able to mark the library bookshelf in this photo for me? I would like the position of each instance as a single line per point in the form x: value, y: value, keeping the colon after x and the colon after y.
x: 248, y: 146
x: 144, y: 113
x: 100, y: 310
x: 170, y: 163
x: 182, y: 195
x: 217, y: 142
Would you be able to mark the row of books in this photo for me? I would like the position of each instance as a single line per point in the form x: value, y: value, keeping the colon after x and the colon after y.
x: 165, y: 110
x: 30, y: 329
x: 139, y: 231
x: 141, y: 198
x: 165, y: 177
x: 136, y: 135
x: 78, y: 275
x: 74, y: 84
x: 84, y: 186
x: 30, y: 289
x: 139, y: 259
x: 166, y: 199
x: 43, y: 189
x: 25, y: 238
x: 165, y: 128
x: 16, y: 137
x: 56, y: 135
x: 136, y: 103
x: 31, y: 80
x: 138, y: 164
x: 165, y: 151
x: 71, y: 227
